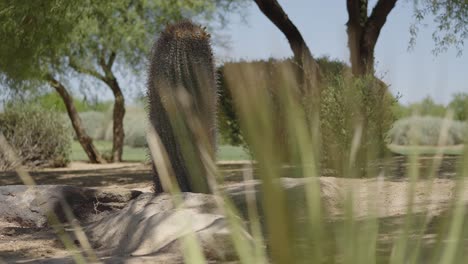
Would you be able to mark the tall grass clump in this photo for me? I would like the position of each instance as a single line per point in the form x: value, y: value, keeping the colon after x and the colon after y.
x: 40, y: 136
x: 277, y: 129
x: 354, y: 117
x: 346, y: 104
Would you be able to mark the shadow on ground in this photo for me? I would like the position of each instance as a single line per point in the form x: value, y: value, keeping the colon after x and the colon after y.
x: 122, y: 175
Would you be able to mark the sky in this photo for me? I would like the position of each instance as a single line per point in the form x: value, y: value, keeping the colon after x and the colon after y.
x: 412, y: 74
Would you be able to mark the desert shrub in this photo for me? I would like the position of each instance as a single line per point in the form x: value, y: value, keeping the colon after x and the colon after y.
x: 459, y: 106
x: 95, y: 124
x: 345, y: 102
x: 135, y: 128
x: 425, y: 107
x: 269, y: 74
x: 229, y: 131
x: 348, y: 103
x: 39, y: 136
x: 425, y: 130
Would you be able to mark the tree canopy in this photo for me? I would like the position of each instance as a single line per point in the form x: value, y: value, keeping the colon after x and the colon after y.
x: 451, y: 19
x: 57, y: 38
x: 47, y: 36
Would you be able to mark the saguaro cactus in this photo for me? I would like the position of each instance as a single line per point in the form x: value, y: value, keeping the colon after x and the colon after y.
x: 182, y: 102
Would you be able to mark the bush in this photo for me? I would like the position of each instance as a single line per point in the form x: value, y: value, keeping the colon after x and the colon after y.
x: 459, y: 106
x: 269, y: 74
x: 348, y: 103
x: 40, y: 137
x: 229, y: 131
x: 345, y: 102
x: 425, y: 130
x: 135, y: 123
x: 95, y: 124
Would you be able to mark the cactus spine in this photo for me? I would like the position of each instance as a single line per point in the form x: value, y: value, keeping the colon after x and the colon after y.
x: 182, y: 102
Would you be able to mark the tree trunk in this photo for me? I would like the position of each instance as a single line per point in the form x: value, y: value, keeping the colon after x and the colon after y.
x: 363, y: 32
x: 119, y: 103
x: 85, y: 140
x: 118, y: 116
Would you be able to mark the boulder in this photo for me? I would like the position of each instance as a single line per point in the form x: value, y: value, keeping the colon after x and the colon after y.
x: 29, y: 206
x: 152, y: 226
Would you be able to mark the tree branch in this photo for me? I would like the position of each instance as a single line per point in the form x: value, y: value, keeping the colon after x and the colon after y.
x: 111, y: 60
x: 276, y: 14
x: 357, y: 12
x: 91, y: 72
x: 378, y: 18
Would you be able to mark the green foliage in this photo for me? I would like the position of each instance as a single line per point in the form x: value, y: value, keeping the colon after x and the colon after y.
x: 427, y: 107
x: 343, y: 98
x: 450, y: 18
x: 54, y: 101
x: 350, y: 105
x: 268, y: 71
x: 459, y: 106
x: 310, y: 234
x: 37, y: 33
x: 45, y: 37
x: 228, y: 125
x: 426, y: 130
x: 40, y: 137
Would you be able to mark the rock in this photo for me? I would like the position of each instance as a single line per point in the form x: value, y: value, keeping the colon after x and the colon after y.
x: 151, y: 225
x: 294, y: 188
x: 29, y: 206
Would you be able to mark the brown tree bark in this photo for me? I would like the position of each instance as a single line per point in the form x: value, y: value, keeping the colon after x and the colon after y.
x: 118, y: 116
x: 302, y: 55
x: 85, y: 140
x: 119, y: 101
x: 363, y: 32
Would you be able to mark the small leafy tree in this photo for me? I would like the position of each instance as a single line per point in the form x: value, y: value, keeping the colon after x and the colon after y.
x: 92, y: 38
x: 459, y: 106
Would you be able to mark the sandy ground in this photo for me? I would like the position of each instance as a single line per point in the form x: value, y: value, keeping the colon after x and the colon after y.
x: 386, y: 198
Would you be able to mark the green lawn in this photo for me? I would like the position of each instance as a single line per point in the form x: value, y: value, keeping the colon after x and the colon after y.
x: 426, y: 150
x: 234, y: 153
x: 140, y: 154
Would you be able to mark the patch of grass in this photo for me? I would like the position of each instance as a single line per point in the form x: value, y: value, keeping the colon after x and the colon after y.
x: 227, y: 152
x: 140, y: 154
x: 426, y: 150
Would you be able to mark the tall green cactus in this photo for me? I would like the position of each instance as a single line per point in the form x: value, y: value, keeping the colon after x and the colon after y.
x: 182, y: 102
